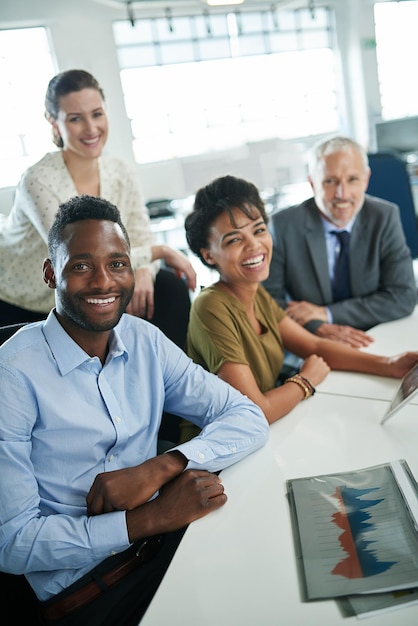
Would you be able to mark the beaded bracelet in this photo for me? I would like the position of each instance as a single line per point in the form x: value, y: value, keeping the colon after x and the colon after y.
x: 308, y: 382
x: 303, y: 383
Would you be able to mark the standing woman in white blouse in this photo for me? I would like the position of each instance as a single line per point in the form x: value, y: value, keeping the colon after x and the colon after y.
x: 75, y: 107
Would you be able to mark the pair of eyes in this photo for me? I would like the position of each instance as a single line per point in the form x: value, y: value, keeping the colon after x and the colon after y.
x: 78, y: 118
x: 115, y: 265
x: 260, y: 230
x: 336, y: 181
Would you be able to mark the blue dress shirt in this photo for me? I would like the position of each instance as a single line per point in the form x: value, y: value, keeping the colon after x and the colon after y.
x: 64, y: 418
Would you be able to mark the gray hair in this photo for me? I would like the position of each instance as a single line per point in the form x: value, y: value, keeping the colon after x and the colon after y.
x: 332, y: 145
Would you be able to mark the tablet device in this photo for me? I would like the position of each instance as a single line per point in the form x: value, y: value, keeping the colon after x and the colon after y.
x: 406, y: 390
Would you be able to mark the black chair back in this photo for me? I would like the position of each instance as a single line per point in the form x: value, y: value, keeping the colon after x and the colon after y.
x: 8, y: 331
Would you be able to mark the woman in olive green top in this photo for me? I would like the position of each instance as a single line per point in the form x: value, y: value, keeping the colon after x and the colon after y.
x: 229, y: 335
x: 236, y: 329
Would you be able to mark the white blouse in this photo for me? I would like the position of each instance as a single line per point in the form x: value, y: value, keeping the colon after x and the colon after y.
x: 24, y: 233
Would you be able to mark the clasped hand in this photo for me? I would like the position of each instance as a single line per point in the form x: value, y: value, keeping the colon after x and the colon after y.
x: 125, y: 489
x: 303, y: 312
x: 184, y: 496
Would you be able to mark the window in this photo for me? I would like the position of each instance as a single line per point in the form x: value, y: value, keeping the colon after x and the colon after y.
x: 204, y: 83
x: 397, y: 50
x: 24, y: 134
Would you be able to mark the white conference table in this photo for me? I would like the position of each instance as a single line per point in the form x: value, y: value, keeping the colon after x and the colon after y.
x: 237, y: 566
x: 390, y: 339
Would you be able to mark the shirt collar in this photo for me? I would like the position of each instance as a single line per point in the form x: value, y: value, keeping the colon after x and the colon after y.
x: 329, y: 226
x: 67, y: 353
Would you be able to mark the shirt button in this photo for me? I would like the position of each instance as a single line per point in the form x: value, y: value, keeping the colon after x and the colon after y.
x: 111, y: 458
x: 201, y: 455
x: 118, y: 419
x: 233, y: 448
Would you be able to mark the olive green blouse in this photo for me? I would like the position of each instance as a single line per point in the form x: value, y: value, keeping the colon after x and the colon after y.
x: 220, y: 331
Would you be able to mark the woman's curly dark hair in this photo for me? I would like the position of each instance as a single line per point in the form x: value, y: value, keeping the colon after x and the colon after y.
x: 220, y: 196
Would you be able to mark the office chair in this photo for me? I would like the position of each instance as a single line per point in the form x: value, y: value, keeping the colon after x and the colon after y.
x: 390, y: 180
x: 8, y: 331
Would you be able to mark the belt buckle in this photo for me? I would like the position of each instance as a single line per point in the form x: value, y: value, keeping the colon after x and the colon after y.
x: 148, y: 548
x: 141, y: 548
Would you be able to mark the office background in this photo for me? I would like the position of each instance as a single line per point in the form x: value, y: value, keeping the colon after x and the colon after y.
x: 81, y: 35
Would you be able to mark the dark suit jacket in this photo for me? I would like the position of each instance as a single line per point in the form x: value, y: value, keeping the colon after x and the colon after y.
x: 382, y: 279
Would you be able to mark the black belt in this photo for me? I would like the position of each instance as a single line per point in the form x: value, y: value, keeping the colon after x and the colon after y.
x: 144, y: 553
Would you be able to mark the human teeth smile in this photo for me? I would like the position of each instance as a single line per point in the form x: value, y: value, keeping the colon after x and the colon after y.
x: 254, y: 261
x: 91, y: 141
x: 100, y: 300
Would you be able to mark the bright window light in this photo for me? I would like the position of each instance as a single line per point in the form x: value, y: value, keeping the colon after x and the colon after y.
x: 252, y: 77
x: 397, y: 49
x: 24, y: 133
x: 218, y: 3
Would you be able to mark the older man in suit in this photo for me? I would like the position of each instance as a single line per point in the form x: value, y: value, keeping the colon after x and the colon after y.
x: 305, y: 276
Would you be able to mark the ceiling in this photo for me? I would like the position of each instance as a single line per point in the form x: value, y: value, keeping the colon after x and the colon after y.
x: 181, y: 4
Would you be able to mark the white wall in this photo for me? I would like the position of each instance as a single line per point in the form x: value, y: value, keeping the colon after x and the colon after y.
x: 81, y: 35
x: 360, y: 108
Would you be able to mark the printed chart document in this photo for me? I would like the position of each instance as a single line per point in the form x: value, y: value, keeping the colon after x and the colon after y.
x: 356, y: 532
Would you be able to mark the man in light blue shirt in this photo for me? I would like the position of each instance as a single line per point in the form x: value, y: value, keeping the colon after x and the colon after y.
x: 80, y: 409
